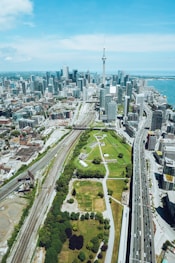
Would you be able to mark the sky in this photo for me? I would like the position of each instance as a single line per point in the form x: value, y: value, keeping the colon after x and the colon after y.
x: 46, y: 35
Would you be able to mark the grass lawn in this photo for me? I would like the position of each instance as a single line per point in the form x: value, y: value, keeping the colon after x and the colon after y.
x: 117, y: 210
x: 87, y: 195
x: 87, y: 191
x: 117, y: 187
x: 116, y: 170
x: 88, y: 229
x: 113, y: 147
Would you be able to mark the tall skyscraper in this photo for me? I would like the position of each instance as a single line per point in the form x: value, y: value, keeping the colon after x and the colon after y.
x: 129, y: 89
x: 112, y: 111
x: 120, y: 94
x: 66, y: 72
x: 126, y: 106
x: 140, y: 102
x: 108, y: 98
x: 104, y: 59
x: 157, y: 117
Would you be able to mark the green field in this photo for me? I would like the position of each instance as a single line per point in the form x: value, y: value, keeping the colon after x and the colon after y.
x: 87, y: 190
x: 87, y: 196
x: 89, y: 229
x: 117, y: 211
x: 117, y: 188
x: 111, y: 148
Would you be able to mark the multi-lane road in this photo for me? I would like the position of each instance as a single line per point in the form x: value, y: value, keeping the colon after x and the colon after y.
x: 142, y: 236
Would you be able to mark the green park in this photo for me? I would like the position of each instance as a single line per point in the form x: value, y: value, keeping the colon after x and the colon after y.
x: 81, y: 234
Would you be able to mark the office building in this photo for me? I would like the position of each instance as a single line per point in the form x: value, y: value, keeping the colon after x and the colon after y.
x: 111, y: 111
x: 129, y: 89
x: 120, y: 94
x: 126, y: 105
x: 157, y: 117
x: 140, y: 103
x: 108, y: 98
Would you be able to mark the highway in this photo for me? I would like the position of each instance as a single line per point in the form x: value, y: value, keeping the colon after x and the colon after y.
x: 142, y: 236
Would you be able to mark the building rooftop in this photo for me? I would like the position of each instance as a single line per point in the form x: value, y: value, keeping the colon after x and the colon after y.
x: 168, y: 178
x: 159, y: 153
x: 171, y: 196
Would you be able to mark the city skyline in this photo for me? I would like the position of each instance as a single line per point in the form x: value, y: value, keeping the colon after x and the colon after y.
x: 137, y: 35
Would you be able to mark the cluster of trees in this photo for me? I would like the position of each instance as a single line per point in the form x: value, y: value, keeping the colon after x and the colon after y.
x: 57, y: 224
x: 94, y: 244
x: 89, y: 174
x: 53, y: 234
x: 82, y: 142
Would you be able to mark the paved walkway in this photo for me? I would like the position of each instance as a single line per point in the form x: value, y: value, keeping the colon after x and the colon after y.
x: 108, y: 212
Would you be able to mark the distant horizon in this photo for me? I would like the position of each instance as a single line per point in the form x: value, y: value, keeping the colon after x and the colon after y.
x: 127, y: 72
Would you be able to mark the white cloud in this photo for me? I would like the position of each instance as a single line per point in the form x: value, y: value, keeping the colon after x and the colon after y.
x: 121, y: 43
x: 50, y: 46
x: 29, y: 24
x: 87, y: 49
x: 11, y: 9
x: 8, y: 58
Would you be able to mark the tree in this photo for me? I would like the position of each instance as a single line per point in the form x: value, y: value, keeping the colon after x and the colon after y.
x: 68, y: 232
x: 129, y: 170
x: 51, y: 255
x: 104, y: 247
x: 45, y: 237
x: 82, y: 217
x: 74, y: 192
x: 86, y: 216
x: 110, y: 192
x: 76, y: 242
x: 70, y: 201
x: 92, y: 214
x: 100, y: 255
x: 100, y: 194
x: 81, y: 256
x: 120, y: 155
x: 15, y: 133
x: 96, y: 160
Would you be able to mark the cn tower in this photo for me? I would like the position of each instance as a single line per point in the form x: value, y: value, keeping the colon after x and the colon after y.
x: 104, y: 59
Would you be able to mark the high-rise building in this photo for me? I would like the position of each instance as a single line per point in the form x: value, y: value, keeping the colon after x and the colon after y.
x: 121, y: 77
x: 129, y: 89
x: 120, y: 94
x: 80, y: 83
x: 126, y: 106
x: 47, y: 77
x: 140, y: 102
x: 157, y: 117
x: 151, y: 141
x: 102, y: 98
x: 65, y: 72
x: 108, y: 98
x: 111, y: 111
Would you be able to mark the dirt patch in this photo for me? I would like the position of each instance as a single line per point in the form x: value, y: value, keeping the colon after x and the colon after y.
x: 70, y: 207
x: 99, y: 205
x: 10, y: 214
x: 39, y: 255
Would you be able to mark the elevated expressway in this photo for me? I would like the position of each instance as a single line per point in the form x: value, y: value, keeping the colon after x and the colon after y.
x: 142, y: 236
